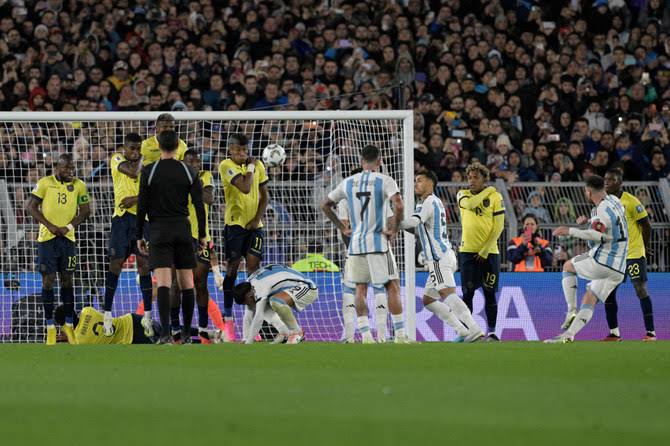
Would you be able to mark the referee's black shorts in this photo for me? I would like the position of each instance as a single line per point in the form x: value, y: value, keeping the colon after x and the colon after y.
x: 171, y: 244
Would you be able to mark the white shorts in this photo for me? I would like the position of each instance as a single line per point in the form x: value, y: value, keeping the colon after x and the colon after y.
x: 376, y: 269
x: 302, y: 296
x: 603, y: 279
x: 346, y: 282
x: 441, y: 272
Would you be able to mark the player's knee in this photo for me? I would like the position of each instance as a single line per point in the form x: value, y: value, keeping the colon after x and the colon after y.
x: 115, y: 266
x: 66, y: 280
x: 232, y: 267
x: 48, y: 281
x: 568, y: 267
x: 640, y: 289
x: 252, y: 263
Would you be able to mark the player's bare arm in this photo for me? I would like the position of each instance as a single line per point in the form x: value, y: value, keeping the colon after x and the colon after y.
x: 32, y: 207
x: 327, y: 208
x: 264, y: 197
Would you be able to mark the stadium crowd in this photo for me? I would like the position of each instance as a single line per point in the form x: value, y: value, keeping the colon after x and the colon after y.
x: 535, y: 90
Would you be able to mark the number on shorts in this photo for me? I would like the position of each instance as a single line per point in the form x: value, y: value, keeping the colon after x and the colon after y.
x: 490, y: 279
x: 71, y: 261
x: 634, y: 269
x: 365, y: 198
x: 258, y: 243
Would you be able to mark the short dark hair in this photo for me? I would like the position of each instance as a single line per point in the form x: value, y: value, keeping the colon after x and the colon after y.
x: 529, y: 215
x: 595, y: 182
x: 239, y: 139
x: 168, y: 140
x: 370, y: 153
x: 240, y: 292
x: 165, y: 117
x: 355, y: 170
x: 430, y: 175
x: 191, y: 152
x: 65, y: 158
x: 132, y: 137
x: 615, y: 171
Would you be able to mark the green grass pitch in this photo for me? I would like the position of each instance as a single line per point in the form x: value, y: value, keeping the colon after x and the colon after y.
x: 328, y: 394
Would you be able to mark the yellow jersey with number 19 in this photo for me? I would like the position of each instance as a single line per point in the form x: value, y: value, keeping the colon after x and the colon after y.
x: 205, y: 177
x: 634, y: 213
x: 89, y: 328
x: 477, y: 223
x: 151, y: 151
x: 124, y: 186
x: 241, y: 208
x: 60, y: 203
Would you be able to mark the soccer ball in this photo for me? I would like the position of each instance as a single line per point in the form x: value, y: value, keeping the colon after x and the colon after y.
x: 274, y: 155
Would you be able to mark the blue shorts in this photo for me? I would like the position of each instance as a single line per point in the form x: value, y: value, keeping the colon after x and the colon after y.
x: 122, y: 240
x: 240, y: 242
x: 636, y: 270
x: 58, y: 255
x: 475, y: 274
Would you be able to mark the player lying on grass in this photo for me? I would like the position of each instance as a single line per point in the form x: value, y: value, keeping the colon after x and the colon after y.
x: 605, y: 263
x: 430, y: 222
x: 126, y: 329
x: 275, y: 288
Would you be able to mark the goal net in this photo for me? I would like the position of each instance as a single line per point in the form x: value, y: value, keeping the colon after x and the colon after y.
x: 321, y: 147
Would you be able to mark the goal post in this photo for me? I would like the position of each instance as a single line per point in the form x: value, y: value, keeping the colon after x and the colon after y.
x: 322, y: 148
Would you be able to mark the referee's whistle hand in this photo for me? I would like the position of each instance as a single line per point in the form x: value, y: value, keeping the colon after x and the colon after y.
x: 142, y: 247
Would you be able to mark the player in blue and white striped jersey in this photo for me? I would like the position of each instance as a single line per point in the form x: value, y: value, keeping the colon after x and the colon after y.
x: 370, y: 257
x: 275, y: 289
x: 604, y: 265
x: 430, y: 222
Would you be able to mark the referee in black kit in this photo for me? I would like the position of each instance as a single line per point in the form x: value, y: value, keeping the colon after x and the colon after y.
x: 164, y: 190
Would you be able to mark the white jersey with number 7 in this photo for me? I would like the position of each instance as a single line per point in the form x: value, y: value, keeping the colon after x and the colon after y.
x: 367, y: 194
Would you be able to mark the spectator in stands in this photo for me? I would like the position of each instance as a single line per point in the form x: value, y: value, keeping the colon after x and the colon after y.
x: 659, y: 168
x: 529, y: 252
x: 534, y: 206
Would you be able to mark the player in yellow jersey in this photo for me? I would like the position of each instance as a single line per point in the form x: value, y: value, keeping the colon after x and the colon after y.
x: 246, y: 196
x: 125, y: 167
x: 482, y: 222
x: 126, y: 329
x: 639, y: 234
x: 60, y: 203
x: 150, y: 150
x: 206, y: 257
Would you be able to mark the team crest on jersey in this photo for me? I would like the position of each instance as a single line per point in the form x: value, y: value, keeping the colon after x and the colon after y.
x: 230, y: 172
x: 638, y: 208
x: 70, y: 188
x: 486, y: 202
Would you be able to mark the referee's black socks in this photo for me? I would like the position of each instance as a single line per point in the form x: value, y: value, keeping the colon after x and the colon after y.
x: 147, y: 289
x: 164, y: 309
x: 187, y: 306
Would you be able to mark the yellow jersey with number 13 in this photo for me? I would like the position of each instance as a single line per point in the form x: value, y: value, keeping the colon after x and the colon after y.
x: 124, y: 186
x: 241, y: 208
x: 60, y: 203
x: 634, y: 213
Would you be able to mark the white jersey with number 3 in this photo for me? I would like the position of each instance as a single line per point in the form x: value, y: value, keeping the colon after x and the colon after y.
x: 433, y: 228
x: 367, y: 194
x: 612, y: 249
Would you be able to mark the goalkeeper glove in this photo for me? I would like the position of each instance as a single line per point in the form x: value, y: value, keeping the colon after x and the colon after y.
x: 218, y: 277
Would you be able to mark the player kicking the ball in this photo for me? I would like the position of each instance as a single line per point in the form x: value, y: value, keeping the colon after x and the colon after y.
x: 275, y: 288
x: 605, y: 263
x: 430, y: 221
x: 370, y: 259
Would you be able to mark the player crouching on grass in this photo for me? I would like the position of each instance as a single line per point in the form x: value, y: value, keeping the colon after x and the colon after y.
x: 275, y: 289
